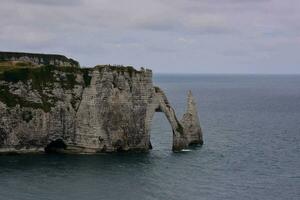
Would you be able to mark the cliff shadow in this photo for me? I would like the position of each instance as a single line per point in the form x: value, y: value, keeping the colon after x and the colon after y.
x: 56, y: 146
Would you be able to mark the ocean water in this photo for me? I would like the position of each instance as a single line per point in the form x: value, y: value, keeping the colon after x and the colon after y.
x: 251, y: 128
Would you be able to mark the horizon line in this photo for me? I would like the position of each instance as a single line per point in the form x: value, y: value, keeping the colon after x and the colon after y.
x: 233, y: 73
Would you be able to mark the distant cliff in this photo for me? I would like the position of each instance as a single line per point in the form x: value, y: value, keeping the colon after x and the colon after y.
x: 38, y: 59
x: 58, y: 107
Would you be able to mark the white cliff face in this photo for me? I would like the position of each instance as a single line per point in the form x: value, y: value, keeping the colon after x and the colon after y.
x: 102, y: 109
x: 111, y: 115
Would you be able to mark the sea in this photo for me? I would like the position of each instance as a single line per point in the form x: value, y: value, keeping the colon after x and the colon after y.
x: 251, y: 129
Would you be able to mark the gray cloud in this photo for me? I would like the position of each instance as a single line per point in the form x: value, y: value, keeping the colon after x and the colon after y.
x: 50, y: 2
x: 238, y: 36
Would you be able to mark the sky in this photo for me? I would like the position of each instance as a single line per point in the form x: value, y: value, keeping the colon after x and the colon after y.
x: 167, y: 36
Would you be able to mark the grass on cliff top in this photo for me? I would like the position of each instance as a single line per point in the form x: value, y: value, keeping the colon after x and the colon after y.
x: 120, y: 69
x: 41, y: 76
x: 14, y: 71
x: 9, y: 65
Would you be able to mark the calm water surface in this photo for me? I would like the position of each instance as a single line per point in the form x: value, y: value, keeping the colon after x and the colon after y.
x: 251, y: 129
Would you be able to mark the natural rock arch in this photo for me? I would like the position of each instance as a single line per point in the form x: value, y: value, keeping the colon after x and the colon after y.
x: 185, y: 132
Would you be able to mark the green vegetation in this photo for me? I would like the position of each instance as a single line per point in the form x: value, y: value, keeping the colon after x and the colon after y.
x: 43, y: 59
x: 42, y: 78
x: 70, y: 81
x: 24, y: 64
x: 120, y: 69
x: 8, y: 65
x: 86, y: 77
x: 11, y: 100
x: 37, y: 72
x: 157, y: 89
x: 27, y: 116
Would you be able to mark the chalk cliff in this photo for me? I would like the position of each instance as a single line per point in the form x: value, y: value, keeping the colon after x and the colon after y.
x: 60, y: 107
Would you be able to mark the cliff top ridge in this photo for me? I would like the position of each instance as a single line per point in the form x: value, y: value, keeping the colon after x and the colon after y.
x: 35, y: 59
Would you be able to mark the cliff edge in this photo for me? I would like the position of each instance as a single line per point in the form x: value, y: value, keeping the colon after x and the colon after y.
x: 59, y: 107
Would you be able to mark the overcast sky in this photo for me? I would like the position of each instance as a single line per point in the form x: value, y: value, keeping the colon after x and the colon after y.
x: 178, y: 36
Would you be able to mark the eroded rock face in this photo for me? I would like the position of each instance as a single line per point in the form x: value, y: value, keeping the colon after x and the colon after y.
x: 73, y: 110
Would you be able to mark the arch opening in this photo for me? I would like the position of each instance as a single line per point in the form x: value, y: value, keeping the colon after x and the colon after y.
x: 161, y: 134
x: 56, y: 146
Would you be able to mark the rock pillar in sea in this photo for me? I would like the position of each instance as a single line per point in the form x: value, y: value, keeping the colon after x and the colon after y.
x: 191, y: 122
